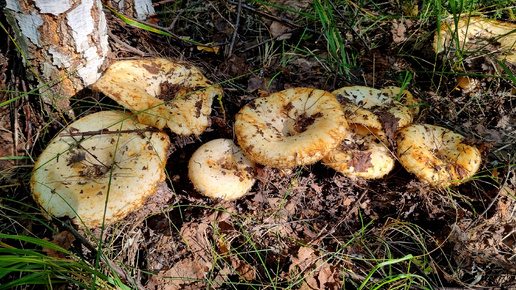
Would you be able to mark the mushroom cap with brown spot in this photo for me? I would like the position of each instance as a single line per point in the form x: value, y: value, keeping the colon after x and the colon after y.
x: 104, y: 157
x: 219, y: 169
x: 366, y: 106
x: 162, y: 92
x: 289, y: 128
x: 363, y: 153
x: 437, y: 155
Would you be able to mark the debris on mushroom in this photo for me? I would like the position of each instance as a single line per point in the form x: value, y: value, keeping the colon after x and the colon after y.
x: 474, y: 33
x: 364, y: 153
x: 219, y: 169
x: 103, y: 164
x: 437, y: 155
x: 371, y: 108
x: 162, y: 92
x: 289, y: 128
x: 405, y: 97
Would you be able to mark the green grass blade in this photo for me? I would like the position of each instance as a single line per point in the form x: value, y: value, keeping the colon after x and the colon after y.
x: 149, y: 28
x: 35, y: 241
x: 381, y: 265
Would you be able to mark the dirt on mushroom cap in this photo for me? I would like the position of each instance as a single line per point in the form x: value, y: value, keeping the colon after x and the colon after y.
x: 163, y: 92
x: 364, y: 153
x: 362, y: 105
x: 106, y: 156
x: 293, y: 127
x: 436, y: 154
x: 219, y: 169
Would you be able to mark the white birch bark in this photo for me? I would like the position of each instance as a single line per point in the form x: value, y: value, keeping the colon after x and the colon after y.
x: 139, y: 9
x: 64, y: 41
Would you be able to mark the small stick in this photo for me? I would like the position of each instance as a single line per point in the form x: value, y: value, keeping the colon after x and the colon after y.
x: 235, y: 30
x: 78, y: 145
x: 268, y: 40
x: 125, y: 45
x: 179, y: 13
x: 162, y: 2
x: 279, y: 19
x: 105, y: 131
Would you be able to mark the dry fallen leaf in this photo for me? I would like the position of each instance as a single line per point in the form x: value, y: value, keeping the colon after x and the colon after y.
x: 318, y: 273
x: 361, y: 161
x: 390, y: 124
x: 64, y: 240
x: 195, y: 236
x: 256, y: 83
x: 245, y: 271
x: 398, y: 32
x: 304, y: 256
x: 183, y: 272
x: 279, y: 30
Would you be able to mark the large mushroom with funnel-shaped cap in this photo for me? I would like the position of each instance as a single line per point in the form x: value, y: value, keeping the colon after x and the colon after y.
x: 100, y: 168
x: 437, y: 155
x: 289, y: 128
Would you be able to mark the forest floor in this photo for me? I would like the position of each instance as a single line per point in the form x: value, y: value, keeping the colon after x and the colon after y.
x: 307, y: 227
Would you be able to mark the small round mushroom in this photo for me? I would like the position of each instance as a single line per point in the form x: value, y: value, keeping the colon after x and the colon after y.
x: 363, y: 153
x: 105, y: 163
x: 289, y: 128
x: 219, y: 169
x: 162, y: 92
x: 371, y: 107
x: 436, y: 154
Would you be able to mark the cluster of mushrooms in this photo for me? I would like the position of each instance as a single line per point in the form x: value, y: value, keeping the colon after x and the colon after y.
x: 105, y: 165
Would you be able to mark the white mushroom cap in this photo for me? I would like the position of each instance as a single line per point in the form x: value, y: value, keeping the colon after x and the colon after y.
x: 219, y: 169
x: 290, y: 128
x: 437, y: 155
x: 363, y: 153
x: 165, y: 93
x: 363, y: 105
x: 104, y: 157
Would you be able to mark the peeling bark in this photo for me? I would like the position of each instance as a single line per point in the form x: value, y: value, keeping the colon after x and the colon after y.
x: 64, y: 42
x: 139, y: 9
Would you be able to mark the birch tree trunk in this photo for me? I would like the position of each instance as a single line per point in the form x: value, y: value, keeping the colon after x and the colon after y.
x: 139, y: 9
x: 63, y: 41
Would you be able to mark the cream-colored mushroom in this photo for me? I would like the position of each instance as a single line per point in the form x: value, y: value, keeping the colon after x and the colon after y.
x: 437, y: 155
x: 219, y: 169
x: 293, y: 127
x: 364, y: 153
x: 365, y: 105
x: 103, y: 165
x: 162, y: 92
x: 471, y: 33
